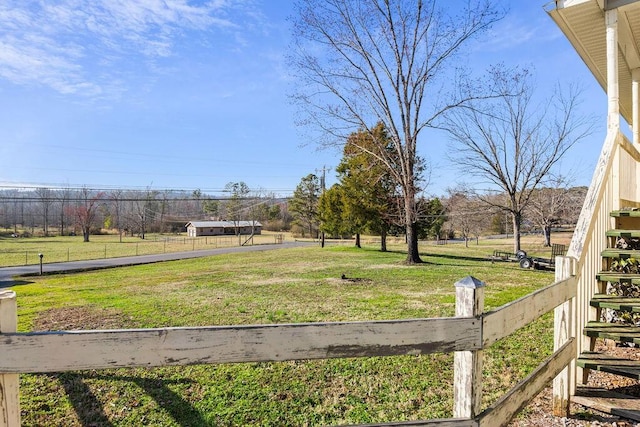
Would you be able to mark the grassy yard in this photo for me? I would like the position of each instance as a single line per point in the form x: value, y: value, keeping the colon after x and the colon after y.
x: 25, y: 251
x: 297, y: 285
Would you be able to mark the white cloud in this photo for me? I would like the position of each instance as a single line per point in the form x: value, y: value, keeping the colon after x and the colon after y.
x: 80, y: 47
x: 514, y: 32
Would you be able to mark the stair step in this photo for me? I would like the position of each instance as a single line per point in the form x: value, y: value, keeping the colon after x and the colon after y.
x: 623, y: 233
x: 616, y: 302
x: 625, y: 212
x: 613, y: 331
x: 609, y: 402
x: 613, y: 365
x: 620, y: 253
x: 615, y: 277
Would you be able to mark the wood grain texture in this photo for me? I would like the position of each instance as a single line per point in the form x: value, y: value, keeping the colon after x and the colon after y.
x: 450, y: 422
x: 563, y: 330
x: 501, y: 412
x: 507, y: 319
x: 76, y: 350
x: 9, y: 383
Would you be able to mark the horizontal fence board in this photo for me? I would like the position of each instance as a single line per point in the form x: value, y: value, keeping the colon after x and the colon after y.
x: 76, y: 350
x: 507, y: 319
x: 501, y: 412
x: 449, y: 422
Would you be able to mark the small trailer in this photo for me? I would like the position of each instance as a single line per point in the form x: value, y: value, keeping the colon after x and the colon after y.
x: 507, y: 256
x: 543, y: 263
x: 526, y: 261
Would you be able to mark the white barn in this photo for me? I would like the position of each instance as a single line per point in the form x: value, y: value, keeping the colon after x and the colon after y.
x: 222, y: 228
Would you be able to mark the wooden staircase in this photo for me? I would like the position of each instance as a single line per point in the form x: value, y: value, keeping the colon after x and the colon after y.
x: 617, y: 300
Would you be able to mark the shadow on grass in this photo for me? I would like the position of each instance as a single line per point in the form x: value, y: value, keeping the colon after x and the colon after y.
x: 457, y: 257
x: 424, y: 255
x: 90, y: 410
x: 11, y: 283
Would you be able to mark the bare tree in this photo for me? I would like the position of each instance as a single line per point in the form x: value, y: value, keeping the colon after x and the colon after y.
x: 46, y: 200
x: 511, y: 143
x: 466, y: 214
x: 376, y: 61
x: 547, y: 205
x: 86, y: 209
x: 63, y: 197
x: 144, y: 210
x: 116, y: 200
x: 572, y: 209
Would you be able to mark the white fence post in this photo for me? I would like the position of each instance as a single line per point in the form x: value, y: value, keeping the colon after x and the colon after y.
x: 563, y: 325
x: 9, y: 398
x: 467, y: 365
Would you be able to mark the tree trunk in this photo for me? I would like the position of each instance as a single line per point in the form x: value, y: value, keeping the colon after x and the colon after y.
x: 358, y: 240
x: 517, y: 222
x: 85, y: 234
x: 383, y: 241
x: 411, y: 224
x: 413, y: 256
x: 546, y: 230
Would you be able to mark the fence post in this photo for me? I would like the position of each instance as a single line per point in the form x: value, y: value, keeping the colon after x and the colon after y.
x: 9, y: 400
x: 563, y: 325
x: 467, y: 365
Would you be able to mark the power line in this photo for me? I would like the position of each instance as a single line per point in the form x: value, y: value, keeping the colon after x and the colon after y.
x: 25, y: 186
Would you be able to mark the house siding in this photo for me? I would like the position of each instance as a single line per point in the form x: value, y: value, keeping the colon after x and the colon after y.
x: 222, y: 228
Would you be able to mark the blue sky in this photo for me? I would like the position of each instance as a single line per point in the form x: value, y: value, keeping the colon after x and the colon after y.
x: 186, y: 94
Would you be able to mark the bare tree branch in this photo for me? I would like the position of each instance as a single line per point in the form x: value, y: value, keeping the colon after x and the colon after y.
x: 364, y: 62
x: 514, y: 143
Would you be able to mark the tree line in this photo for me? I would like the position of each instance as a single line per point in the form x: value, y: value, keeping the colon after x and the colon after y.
x: 368, y: 199
x: 85, y: 211
x: 365, y: 200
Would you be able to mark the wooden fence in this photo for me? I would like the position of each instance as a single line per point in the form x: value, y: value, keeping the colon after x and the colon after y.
x: 467, y: 335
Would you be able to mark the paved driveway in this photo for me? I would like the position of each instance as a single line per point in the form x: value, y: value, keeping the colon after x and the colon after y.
x: 7, y: 274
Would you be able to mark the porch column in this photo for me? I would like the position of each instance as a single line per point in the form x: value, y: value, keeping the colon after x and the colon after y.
x: 613, y: 111
x: 635, y: 90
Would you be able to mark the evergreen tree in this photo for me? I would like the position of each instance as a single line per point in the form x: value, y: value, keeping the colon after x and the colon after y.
x: 304, y: 203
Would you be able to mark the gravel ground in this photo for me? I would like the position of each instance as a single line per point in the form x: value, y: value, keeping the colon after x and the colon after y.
x: 538, y: 412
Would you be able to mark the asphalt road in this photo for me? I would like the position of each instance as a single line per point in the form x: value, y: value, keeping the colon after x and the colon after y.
x: 8, y: 275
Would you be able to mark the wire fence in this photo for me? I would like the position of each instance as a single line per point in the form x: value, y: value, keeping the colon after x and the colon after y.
x: 59, y: 252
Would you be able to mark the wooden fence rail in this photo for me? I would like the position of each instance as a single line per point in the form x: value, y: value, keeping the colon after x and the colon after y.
x: 74, y: 350
x: 466, y: 335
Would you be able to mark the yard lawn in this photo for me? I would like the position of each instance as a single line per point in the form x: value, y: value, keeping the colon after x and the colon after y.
x: 281, y: 286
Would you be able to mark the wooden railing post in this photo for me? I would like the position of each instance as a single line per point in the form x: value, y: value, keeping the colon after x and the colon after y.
x: 9, y: 399
x: 563, y: 329
x: 467, y: 365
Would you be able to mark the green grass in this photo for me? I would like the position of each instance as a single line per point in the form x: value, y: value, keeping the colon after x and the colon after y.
x: 25, y: 251
x: 301, y: 285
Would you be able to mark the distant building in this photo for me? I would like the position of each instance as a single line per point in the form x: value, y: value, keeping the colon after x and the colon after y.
x: 222, y: 228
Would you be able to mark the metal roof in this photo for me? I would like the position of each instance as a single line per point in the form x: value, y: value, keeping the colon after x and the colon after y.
x: 583, y: 23
x: 223, y: 224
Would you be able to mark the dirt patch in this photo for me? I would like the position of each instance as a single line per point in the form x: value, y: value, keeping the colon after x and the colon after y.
x: 347, y: 281
x: 81, y: 318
